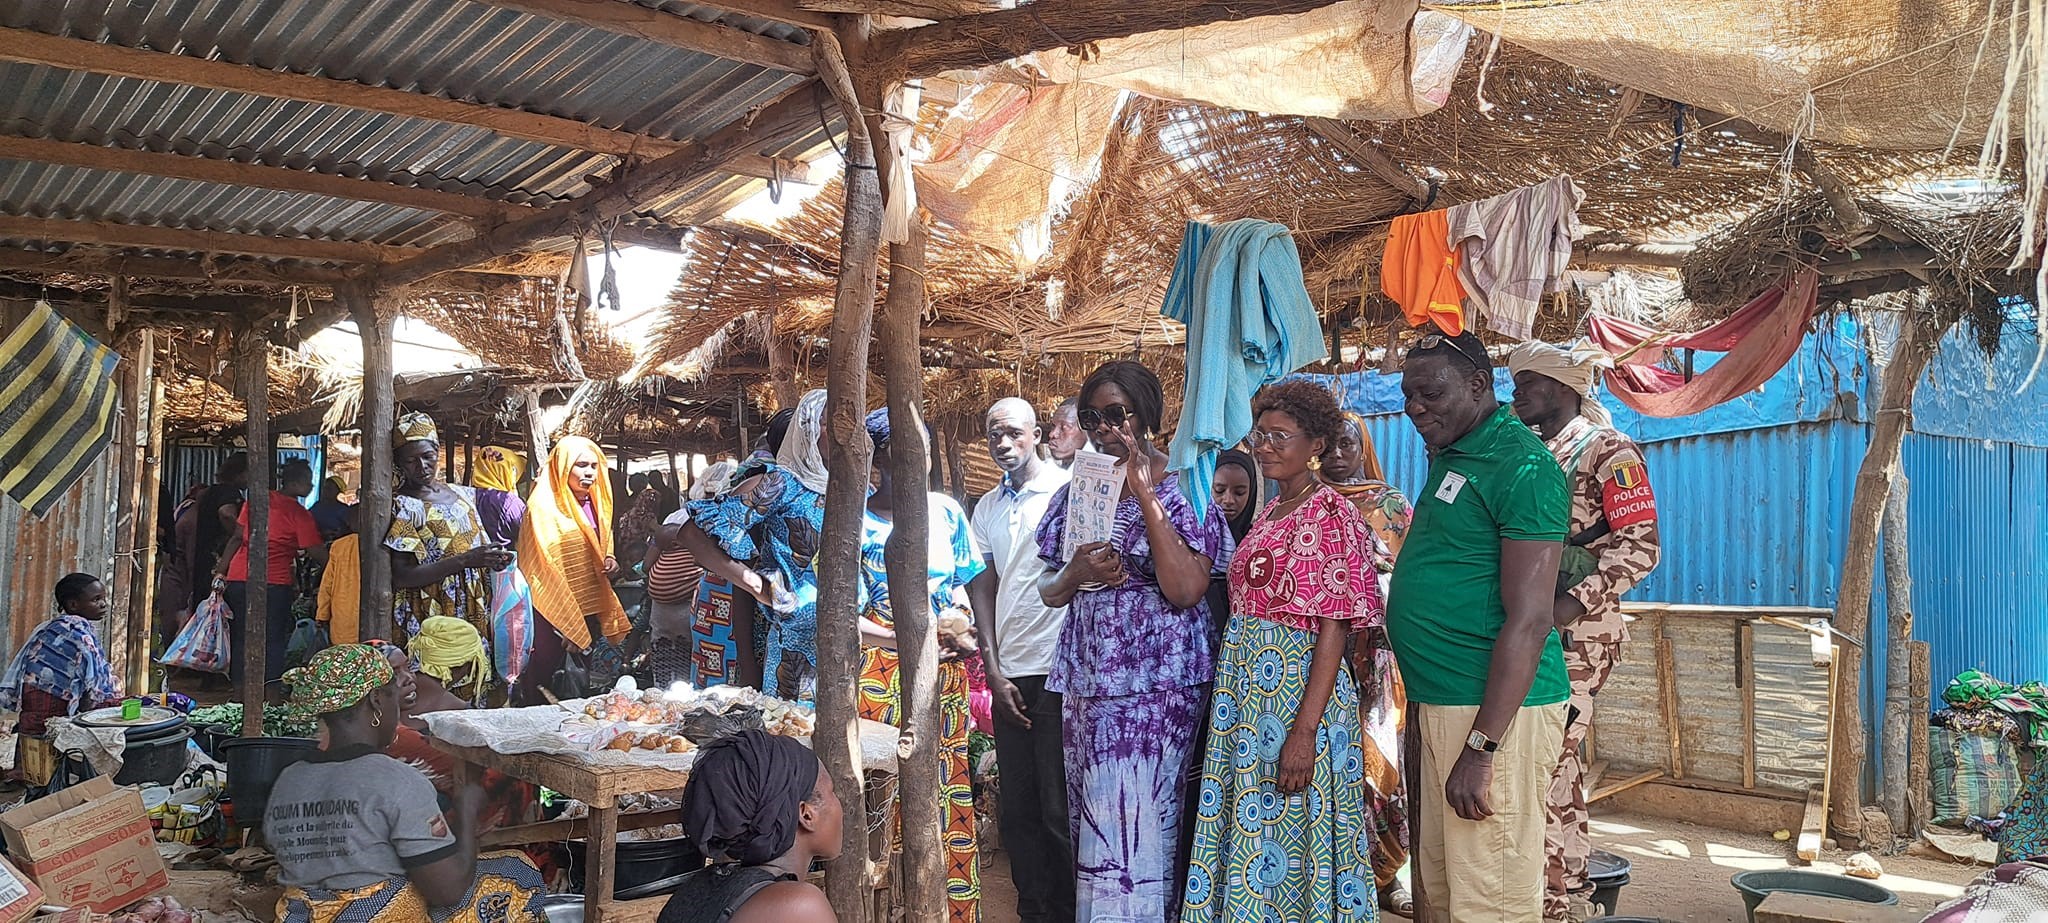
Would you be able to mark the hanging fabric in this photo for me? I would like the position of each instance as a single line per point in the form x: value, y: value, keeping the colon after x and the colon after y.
x: 1513, y: 249
x: 1239, y: 290
x: 1758, y: 340
x: 57, y: 385
x: 1419, y: 271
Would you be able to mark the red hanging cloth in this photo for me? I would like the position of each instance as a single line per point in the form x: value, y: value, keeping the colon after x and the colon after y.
x: 1758, y: 339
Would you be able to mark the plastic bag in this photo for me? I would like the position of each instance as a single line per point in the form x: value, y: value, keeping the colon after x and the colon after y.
x: 511, y: 621
x: 309, y: 637
x: 203, y: 644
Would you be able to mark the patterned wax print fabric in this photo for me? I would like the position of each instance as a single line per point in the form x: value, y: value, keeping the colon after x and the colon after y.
x: 791, y: 516
x: 952, y: 563
x: 1260, y: 853
x: 713, y: 649
x: 63, y: 658
x: 1382, y: 700
x: 1128, y: 639
x: 508, y: 889
x: 2026, y: 831
x: 430, y: 532
x: 1387, y: 512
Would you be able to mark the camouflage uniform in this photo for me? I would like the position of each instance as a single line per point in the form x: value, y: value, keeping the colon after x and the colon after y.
x: 1609, y: 485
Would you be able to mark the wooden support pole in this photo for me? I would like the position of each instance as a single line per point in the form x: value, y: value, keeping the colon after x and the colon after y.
x: 849, y: 878
x: 1667, y: 696
x: 255, y: 628
x: 536, y: 429
x: 152, y: 485
x: 134, y: 515
x: 1920, y: 693
x: 1745, y: 678
x: 379, y: 417
x: 1898, y: 602
x: 922, y: 775
x: 1910, y: 354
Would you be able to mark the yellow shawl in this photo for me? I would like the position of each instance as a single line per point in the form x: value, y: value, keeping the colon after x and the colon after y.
x: 562, y: 554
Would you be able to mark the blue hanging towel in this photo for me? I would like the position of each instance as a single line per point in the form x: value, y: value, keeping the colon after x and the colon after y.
x: 1239, y: 290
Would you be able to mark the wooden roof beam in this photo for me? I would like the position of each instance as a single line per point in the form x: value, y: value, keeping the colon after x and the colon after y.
x: 234, y: 173
x: 95, y: 57
x: 115, y: 234
x: 260, y: 176
x: 1368, y: 155
x: 776, y: 124
x: 970, y: 42
x: 84, y: 262
x: 634, y: 21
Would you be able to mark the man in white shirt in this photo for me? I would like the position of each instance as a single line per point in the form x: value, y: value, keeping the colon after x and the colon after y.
x: 1019, y: 634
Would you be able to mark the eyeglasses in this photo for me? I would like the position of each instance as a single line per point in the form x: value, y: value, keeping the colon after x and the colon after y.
x: 1259, y: 438
x: 1112, y: 415
x: 1460, y: 346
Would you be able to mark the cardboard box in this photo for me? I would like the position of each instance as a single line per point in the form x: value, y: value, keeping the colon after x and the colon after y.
x: 19, y: 897
x: 89, y: 845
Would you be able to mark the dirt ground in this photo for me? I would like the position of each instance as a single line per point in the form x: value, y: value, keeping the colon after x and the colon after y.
x: 1679, y: 871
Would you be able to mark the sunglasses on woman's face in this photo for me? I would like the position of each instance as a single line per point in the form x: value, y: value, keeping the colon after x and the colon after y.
x: 1112, y: 415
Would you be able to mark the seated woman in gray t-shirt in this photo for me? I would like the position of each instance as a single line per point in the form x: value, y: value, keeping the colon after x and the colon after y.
x: 359, y: 835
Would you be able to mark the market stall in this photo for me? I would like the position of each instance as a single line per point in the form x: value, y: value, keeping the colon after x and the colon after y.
x: 626, y: 743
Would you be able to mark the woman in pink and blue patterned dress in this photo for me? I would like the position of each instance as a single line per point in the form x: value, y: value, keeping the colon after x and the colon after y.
x: 1281, y: 826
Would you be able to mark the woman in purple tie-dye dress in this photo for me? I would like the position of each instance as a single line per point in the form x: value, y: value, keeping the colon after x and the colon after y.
x: 1135, y: 658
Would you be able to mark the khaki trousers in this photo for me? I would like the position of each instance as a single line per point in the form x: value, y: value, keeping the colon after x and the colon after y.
x: 1488, y: 871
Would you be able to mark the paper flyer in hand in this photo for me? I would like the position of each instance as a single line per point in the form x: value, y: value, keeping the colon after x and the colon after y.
x: 1092, y: 496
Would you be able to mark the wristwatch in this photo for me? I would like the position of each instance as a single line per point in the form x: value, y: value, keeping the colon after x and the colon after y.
x: 1480, y: 742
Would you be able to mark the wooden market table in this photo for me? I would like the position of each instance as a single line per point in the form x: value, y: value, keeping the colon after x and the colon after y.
x: 599, y: 788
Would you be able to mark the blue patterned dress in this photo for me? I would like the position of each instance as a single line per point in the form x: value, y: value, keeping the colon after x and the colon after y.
x: 1261, y: 854
x: 792, y: 517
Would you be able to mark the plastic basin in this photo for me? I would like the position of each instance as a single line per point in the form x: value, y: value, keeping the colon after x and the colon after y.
x: 253, y: 767
x: 1761, y: 883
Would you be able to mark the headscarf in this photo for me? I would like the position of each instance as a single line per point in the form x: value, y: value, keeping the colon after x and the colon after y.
x: 799, y: 455
x: 714, y: 481
x: 416, y: 427
x: 741, y: 801
x: 878, y: 427
x: 337, y: 678
x: 562, y: 554
x: 446, y: 644
x: 498, y: 468
x: 1575, y: 368
x: 1242, y: 522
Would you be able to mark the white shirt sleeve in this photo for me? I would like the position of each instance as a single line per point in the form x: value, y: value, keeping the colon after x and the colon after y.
x: 678, y: 517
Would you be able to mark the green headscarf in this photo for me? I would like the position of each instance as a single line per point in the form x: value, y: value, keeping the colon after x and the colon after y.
x: 337, y: 678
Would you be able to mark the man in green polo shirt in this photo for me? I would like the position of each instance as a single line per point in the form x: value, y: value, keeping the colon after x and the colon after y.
x: 1469, y: 615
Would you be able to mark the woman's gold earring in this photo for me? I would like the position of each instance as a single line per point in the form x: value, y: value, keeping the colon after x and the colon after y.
x: 376, y: 718
x: 1315, y: 463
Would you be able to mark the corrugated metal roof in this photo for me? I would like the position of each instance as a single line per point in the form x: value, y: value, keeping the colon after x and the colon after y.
x: 459, y: 50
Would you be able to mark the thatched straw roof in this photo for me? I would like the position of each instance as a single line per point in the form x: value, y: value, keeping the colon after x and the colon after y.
x: 1337, y: 184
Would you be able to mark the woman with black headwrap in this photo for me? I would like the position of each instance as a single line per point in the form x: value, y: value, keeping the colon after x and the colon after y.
x: 763, y: 809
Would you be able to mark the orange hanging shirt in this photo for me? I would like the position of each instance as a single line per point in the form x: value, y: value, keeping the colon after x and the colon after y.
x: 1420, y: 271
